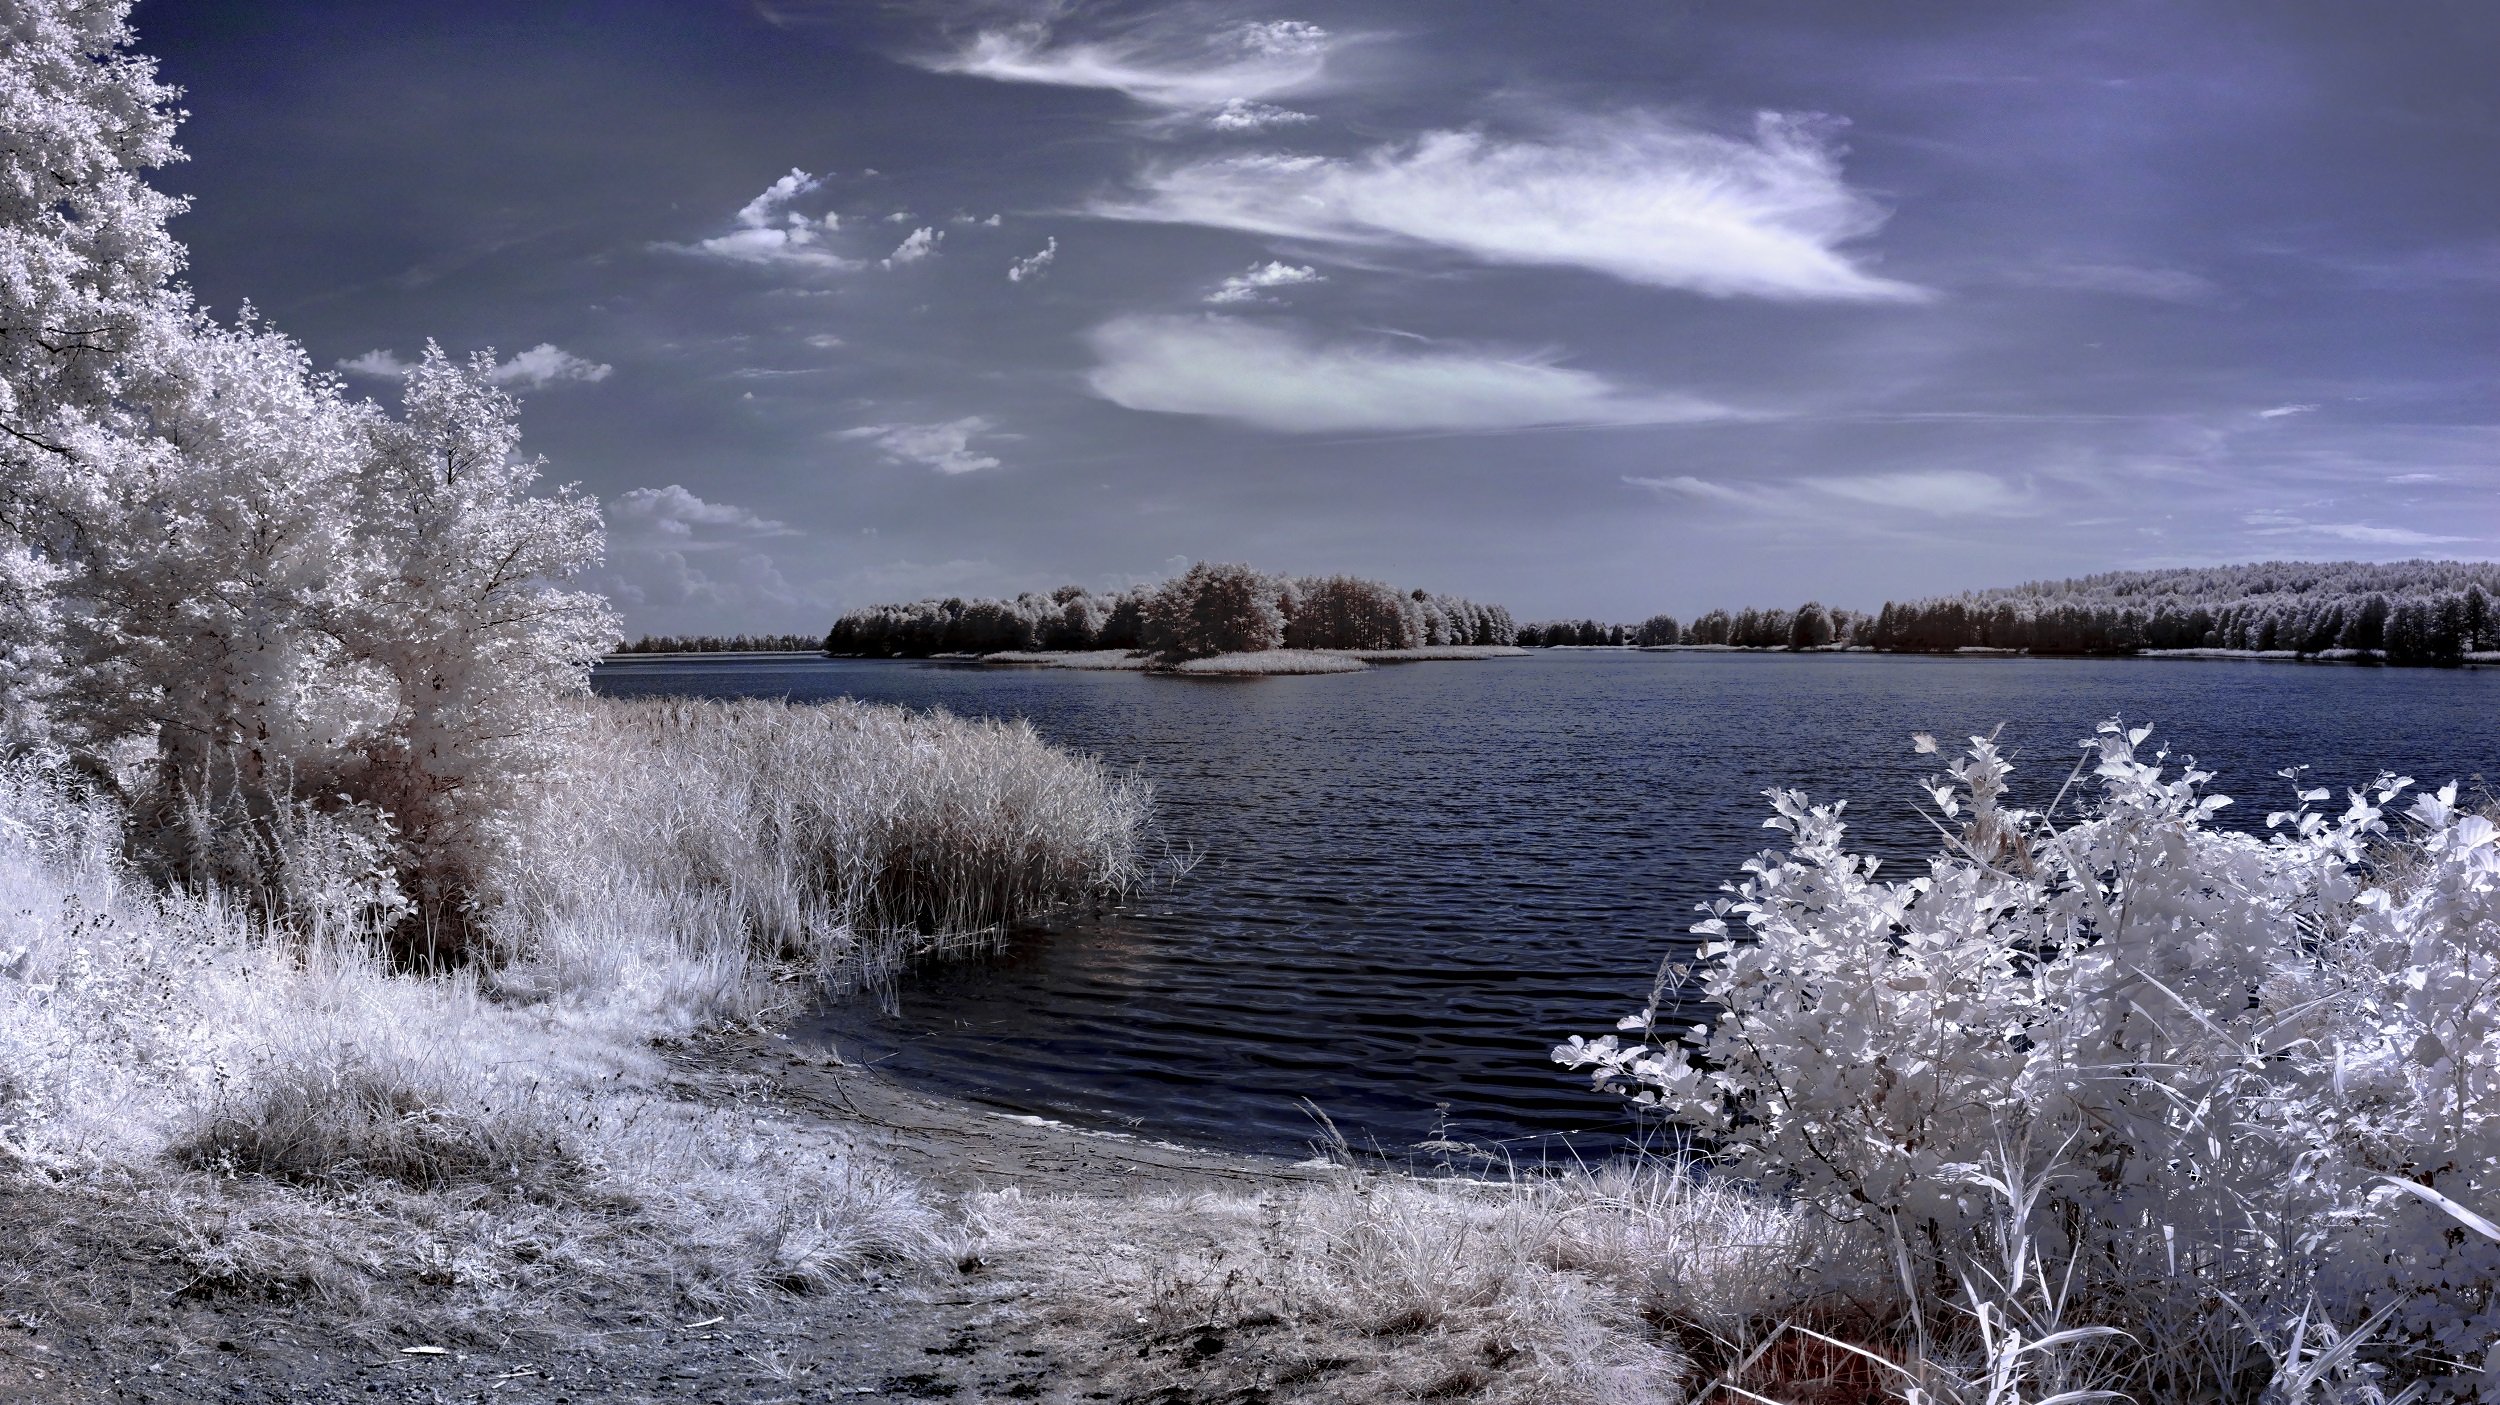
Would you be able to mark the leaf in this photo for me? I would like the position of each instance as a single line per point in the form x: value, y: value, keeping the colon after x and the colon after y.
x: 2455, y: 1211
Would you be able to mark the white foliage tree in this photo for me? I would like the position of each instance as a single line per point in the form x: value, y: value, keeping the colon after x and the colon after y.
x: 85, y: 260
x: 479, y: 648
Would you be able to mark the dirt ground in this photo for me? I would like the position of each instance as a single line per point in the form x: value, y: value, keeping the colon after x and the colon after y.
x: 955, y: 1333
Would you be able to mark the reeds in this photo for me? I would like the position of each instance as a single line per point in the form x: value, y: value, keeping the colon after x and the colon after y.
x: 1268, y: 661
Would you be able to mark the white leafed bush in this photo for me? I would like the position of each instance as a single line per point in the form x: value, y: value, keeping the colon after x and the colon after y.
x: 2246, y: 1090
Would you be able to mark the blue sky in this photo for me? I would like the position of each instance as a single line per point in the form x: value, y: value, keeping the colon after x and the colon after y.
x: 1586, y: 308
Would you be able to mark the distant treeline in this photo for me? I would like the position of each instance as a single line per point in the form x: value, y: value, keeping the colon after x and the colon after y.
x: 721, y: 644
x: 2406, y: 612
x: 1209, y: 610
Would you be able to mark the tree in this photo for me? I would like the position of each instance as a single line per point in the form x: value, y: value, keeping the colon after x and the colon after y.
x: 1659, y: 629
x: 478, y: 650
x: 1215, y: 609
x: 86, y: 262
x: 1811, y: 628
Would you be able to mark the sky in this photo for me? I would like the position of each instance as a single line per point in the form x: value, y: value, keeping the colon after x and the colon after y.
x: 1582, y: 307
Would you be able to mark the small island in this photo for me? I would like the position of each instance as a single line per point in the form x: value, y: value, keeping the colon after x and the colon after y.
x: 1212, y: 620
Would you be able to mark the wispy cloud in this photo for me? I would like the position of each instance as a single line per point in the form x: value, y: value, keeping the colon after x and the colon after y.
x: 1944, y: 492
x: 1222, y: 73
x: 945, y: 445
x: 767, y: 232
x: 1645, y: 199
x: 1247, y: 285
x: 542, y: 365
x: 2285, y: 411
x: 2125, y: 280
x: 1921, y: 493
x: 1275, y: 379
x: 1031, y: 265
x: 1243, y: 115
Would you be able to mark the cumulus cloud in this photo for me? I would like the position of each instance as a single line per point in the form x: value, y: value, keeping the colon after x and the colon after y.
x: 542, y: 365
x: 678, y: 561
x: 945, y: 446
x: 545, y: 364
x: 920, y: 244
x: 767, y: 232
x: 1219, y: 73
x: 676, y: 511
x: 1644, y: 199
x: 1247, y: 285
x: 1032, y: 266
x: 1280, y: 380
x: 378, y: 363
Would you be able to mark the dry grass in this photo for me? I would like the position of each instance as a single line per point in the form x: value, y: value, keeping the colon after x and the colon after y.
x: 1433, y: 653
x: 195, y: 1109
x: 1267, y: 661
x: 1623, y: 1285
x: 1113, y: 660
x: 737, y: 836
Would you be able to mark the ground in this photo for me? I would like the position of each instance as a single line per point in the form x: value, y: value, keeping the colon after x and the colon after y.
x: 962, y: 1331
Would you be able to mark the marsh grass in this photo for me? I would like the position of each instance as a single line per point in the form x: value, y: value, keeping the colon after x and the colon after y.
x: 1267, y: 661
x: 1432, y: 653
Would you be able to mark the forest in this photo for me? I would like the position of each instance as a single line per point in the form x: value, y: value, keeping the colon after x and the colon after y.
x: 2403, y: 612
x: 1211, y: 609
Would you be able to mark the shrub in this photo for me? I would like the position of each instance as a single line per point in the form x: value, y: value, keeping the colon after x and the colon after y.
x: 2249, y: 1080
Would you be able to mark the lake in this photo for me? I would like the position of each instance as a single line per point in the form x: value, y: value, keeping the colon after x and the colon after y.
x: 1414, y: 881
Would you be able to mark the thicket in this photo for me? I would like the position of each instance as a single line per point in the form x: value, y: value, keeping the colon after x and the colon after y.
x: 2133, y: 1103
x: 1210, y: 609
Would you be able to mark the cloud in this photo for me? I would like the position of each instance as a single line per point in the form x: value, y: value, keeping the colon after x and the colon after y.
x: 945, y: 446
x: 545, y: 364
x: 382, y: 365
x: 1243, y: 115
x: 677, y: 561
x: 1032, y: 266
x: 2285, y: 411
x: 1684, y: 485
x: 1258, y: 278
x: 2359, y: 533
x: 1930, y: 492
x: 767, y: 232
x: 1942, y: 492
x: 824, y: 341
x: 1190, y: 73
x: 1643, y: 199
x: 2158, y: 284
x: 542, y: 365
x: 675, y: 511
x: 1279, y: 380
x: 920, y: 244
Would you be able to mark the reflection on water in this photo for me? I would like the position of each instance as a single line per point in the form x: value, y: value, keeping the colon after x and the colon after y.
x: 1417, y: 879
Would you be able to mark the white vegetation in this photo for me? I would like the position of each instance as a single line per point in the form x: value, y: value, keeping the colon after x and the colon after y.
x: 230, y: 588
x: 2235, y: 1097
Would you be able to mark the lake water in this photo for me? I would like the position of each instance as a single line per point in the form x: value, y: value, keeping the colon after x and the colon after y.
x: 1416, y: 880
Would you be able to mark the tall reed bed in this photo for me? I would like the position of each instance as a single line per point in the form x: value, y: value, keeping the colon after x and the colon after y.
x: 836, y: 835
